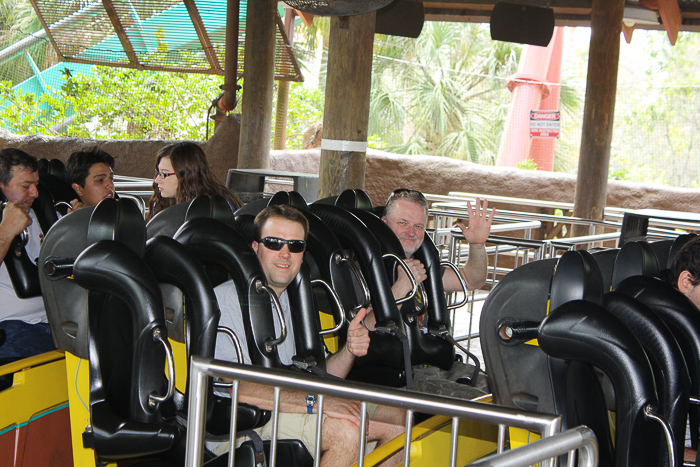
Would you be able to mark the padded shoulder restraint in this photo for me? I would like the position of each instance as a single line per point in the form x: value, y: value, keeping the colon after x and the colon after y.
x: 215, y: 207
x: 113, y: 268
x: 584, y: 331
x: 216, y: 243
x: 670, y: 372
x: 353, y: 234
x: 682, y: 317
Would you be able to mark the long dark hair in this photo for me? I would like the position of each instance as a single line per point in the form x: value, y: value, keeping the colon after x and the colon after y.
x: 194, y: 177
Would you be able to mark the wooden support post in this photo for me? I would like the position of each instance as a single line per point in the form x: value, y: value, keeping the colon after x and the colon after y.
x: 258, y: 84
x: 281, y: 113
x: 346, y: 113
x: 599, y: 111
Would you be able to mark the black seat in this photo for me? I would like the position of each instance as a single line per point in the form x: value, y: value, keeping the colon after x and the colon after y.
x: 633, y: 259
x: 425, y: 348
x: 564, y: 378
x: 110, y: 312
x: 671, y: 378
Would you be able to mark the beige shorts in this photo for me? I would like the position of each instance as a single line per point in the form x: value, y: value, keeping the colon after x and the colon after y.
x: 300, y: 426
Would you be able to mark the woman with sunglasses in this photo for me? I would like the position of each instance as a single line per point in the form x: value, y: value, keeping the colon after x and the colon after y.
x: 183, y: 173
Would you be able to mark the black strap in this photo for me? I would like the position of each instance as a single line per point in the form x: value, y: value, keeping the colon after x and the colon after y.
x: 451, y: 340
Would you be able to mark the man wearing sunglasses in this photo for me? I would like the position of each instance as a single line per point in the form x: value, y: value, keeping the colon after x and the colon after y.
x: 281, y: 240
x: 406, y: 213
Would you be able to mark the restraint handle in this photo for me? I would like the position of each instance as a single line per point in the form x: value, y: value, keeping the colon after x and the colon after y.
x: 237, y: 347
x: 270, y: 344
x: 650, y: 414
x: 340, y: 318
x: 154, y: 400
x: 465, y: 289
x: 414, y: 284
x: 338, y: 258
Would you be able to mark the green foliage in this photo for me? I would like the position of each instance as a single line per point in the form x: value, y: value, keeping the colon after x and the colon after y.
x: 116, y: 103
x: 529, y: 164
x: 434, y: 94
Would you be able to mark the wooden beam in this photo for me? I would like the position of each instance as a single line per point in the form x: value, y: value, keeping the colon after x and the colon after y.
x: 307, y: 18
x: 203, y: 35
x: 599, y: 111
x: 346, y: 112
x: 258, y: 75
x: 671, y: 16
x: 121, y: 34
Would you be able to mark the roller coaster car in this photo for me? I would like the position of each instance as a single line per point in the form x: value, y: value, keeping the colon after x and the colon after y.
x: 549, y: 331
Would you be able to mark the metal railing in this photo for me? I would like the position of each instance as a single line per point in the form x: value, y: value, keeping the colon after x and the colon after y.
x: 202, y: 369
x: 581, y: 438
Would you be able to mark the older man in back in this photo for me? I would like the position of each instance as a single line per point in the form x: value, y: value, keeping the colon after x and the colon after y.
x: 406, y: 213
x: 22, y: 319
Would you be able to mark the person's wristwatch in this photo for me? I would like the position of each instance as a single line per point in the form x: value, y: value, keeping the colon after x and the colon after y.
x: 310, y: 401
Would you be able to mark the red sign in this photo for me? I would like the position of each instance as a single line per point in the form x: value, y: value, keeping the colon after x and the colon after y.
x: 544, y: 124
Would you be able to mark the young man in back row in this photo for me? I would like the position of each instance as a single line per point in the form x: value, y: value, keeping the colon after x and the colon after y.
x: 684, y: 273
x: 90, y: 173
x: 281, y: 233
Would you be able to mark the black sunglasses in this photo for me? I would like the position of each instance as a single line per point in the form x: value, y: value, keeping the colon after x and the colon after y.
x: 276, y: 244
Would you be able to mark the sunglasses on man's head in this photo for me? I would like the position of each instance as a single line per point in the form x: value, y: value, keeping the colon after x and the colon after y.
x: 276, y: 244
x: 398, y: 191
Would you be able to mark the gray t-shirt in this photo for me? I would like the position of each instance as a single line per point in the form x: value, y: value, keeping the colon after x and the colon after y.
x: 227, y: 296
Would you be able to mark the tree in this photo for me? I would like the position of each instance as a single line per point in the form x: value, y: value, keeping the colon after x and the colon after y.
x: 116, y: 103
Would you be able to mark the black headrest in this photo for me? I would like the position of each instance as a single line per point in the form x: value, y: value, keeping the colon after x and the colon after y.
x: 606, y: 262
x: 576, y: 277
x: 60, y: 189
x: 634, y: 259
x: 354, y: 199
x: 215, y: 207
x: 57, y: 168
x: 167, y: 221
x: 291, y: 198
x: 118, y: 220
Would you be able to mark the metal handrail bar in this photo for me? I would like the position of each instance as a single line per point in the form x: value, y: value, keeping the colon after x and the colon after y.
x: 580, y: 438
x: 461, y: 196
x: 201, y: 369
x: 503, y: 215
x: 573, y: 241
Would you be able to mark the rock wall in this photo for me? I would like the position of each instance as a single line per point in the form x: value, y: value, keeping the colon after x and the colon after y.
x: 440, y: 175
x: 134, y: 158
x: 385, y: 171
